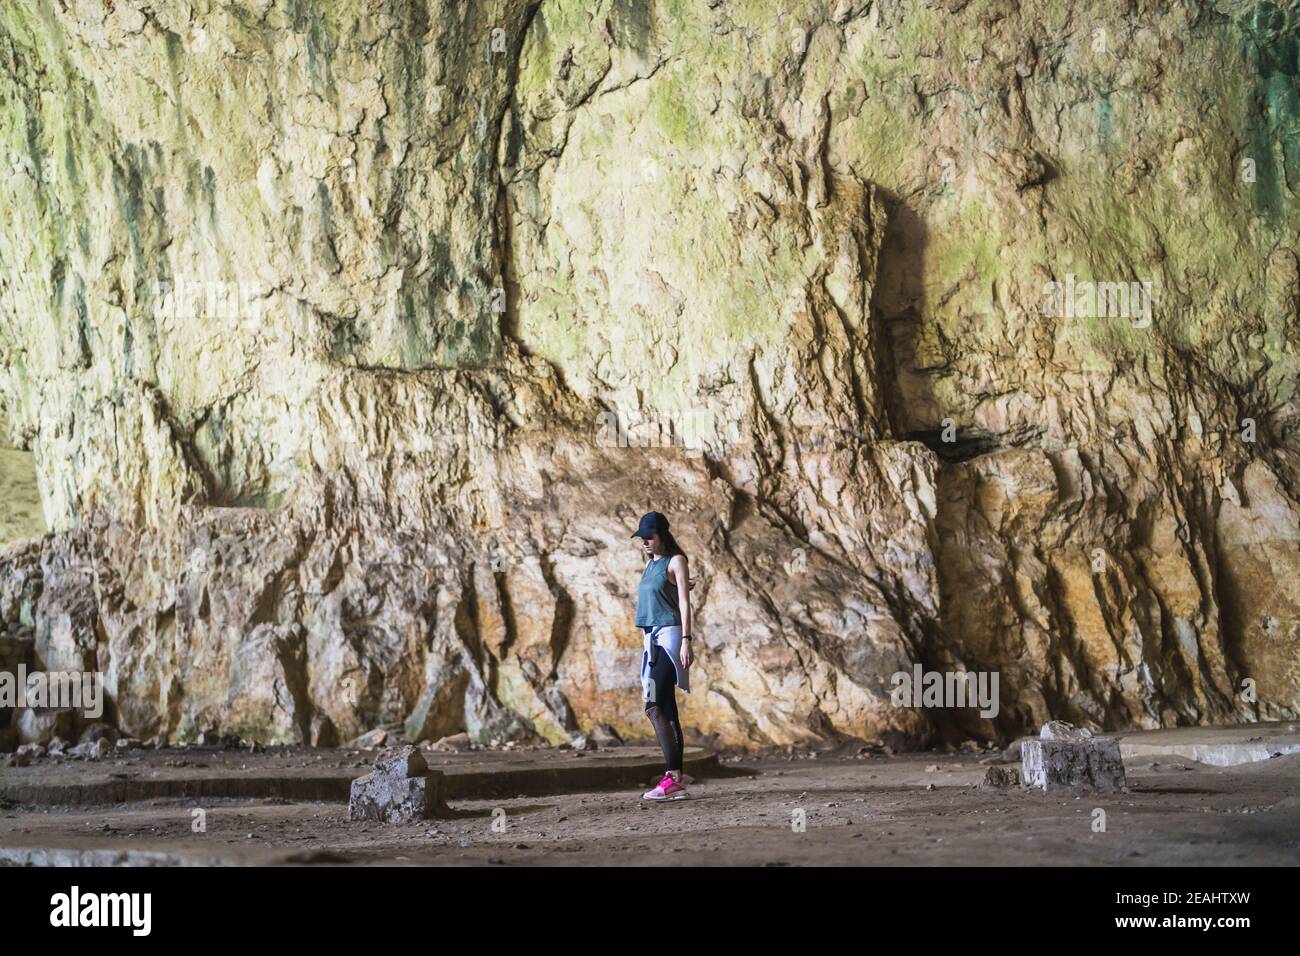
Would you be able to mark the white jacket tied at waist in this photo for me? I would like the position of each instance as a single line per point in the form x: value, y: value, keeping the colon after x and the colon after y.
x: 669, y: 639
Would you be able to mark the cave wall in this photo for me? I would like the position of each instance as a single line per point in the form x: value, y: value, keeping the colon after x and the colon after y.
x: 313, y: 317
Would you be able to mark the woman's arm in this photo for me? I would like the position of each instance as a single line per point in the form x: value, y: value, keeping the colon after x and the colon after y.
x: 681, y: 575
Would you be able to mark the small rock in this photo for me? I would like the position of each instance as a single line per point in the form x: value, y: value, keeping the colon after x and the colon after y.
x: 214, y: 738
x: 96, y: 731
x: 92, y: 749
x: 369, y: 740
x: 1001, y: 777
x: 455, y: 743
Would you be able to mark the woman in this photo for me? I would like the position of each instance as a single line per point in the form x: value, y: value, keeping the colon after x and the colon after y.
x: 663, y: 612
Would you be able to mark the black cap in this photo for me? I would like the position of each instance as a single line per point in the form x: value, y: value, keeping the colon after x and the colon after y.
x: 652, y: 523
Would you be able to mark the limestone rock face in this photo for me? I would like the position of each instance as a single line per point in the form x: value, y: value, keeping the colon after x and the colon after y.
x: 343, y: 339
x: 20, y: 501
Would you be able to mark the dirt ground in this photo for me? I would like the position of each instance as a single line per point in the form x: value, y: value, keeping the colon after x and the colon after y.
x: 905, y: 810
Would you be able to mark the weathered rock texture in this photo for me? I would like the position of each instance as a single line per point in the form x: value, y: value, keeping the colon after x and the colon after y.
x: 309, y: 312
x: 399, y: 789
x: 1001, y: 777
x: 1092, y: 764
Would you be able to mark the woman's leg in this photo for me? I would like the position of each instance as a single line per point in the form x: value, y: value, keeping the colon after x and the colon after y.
x: 661, y: 708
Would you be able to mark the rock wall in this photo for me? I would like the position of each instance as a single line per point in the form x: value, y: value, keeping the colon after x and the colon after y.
x: 20, y: 497
x: 345, y: 338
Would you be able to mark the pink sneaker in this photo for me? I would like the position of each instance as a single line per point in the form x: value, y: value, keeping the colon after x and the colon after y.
x: 666, y: 789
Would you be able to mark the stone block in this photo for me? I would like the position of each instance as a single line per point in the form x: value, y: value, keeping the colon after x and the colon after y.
x: 399, y: 789
x: 390, y: 799
x: 1092, y: 763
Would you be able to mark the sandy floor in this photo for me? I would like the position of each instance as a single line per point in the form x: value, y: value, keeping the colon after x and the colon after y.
x: 907, y: 810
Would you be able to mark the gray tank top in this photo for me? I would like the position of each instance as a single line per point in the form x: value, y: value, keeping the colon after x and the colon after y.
x: 656, y: 599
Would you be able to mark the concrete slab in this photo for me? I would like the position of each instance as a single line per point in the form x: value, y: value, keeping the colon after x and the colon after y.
x: 1213, y: 746
x: 310, y: 774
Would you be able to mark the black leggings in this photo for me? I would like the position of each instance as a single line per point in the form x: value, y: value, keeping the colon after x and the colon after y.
x: 661, y: 708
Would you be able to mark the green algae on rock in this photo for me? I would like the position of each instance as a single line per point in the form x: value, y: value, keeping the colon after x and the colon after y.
x: 356, y: 477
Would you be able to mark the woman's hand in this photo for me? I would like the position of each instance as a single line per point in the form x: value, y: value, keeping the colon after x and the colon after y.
x: 686, y: 656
